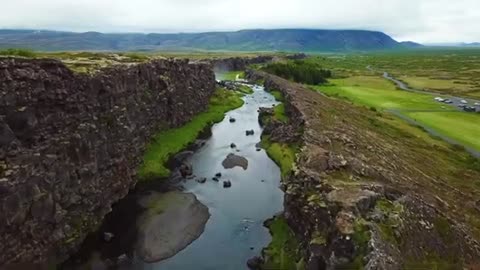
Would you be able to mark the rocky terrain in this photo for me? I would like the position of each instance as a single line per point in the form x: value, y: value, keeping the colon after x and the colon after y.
x: 238, y: 63
x: 364, y: 195
x: 70, y: 144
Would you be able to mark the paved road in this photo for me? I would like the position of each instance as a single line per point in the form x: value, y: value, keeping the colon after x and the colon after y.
x: 456, y: 101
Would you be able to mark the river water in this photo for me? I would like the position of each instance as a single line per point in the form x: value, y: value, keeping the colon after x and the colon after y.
x: 235, y: 231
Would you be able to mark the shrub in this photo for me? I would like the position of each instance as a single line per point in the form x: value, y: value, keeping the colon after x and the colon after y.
x: 18, y: 52
x: 299, y: 71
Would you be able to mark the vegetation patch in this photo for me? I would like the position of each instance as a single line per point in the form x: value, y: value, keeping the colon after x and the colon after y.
x: 361, y: 236
x: 391, y: 212
x: 283, y: 250
x: 278, y: 95
x: 230, y: 75
x: 281, y: 153
x: 18, y: 52
x: 300, y: 71
x: 170, y: 141
x: 245, y: 89
x: 460, y: 126
x: 279, y: 113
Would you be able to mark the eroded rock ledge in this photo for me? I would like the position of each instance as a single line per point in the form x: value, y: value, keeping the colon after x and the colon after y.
x: 70, y: 144
x: 360, y: 199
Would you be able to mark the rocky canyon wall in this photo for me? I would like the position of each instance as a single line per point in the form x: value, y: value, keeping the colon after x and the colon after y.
x: 70, y: 144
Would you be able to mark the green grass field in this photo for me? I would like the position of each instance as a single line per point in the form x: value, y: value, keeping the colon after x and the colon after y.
x: 454, y: 71
x: 379, y: 94
x: 463, y: 127
x: 171, y: 141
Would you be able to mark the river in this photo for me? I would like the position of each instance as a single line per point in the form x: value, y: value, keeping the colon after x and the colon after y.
x: 234, y: 232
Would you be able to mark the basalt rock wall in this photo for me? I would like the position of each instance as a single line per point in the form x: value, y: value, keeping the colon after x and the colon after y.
x: 238, y: 63
x: 70, y: 144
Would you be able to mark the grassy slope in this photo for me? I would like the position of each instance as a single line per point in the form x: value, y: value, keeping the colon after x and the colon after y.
x: 171, y: 141
x: 380, y: 94
x: 230, y: 75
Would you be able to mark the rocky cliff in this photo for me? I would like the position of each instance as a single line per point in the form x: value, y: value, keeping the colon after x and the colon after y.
x: 70, y: 144
x: 238, y: 63
x: 363, y: 195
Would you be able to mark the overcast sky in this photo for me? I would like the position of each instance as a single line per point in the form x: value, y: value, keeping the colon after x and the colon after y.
x: 418, y: 20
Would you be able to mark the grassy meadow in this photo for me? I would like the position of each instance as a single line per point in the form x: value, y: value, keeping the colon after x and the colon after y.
x: 454, y: 71
x: 361, y: 86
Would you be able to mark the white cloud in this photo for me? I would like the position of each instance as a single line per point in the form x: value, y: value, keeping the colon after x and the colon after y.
x: 419, y: 20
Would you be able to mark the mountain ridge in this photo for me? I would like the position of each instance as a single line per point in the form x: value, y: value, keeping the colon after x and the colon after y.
x: 310, y: 40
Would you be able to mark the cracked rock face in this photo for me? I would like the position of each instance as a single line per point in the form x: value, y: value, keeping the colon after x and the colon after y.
x: 70, y: 144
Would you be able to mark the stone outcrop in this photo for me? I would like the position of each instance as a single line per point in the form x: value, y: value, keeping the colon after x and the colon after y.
x: 238, y: 63
x: 70, y: 144
x: 360, y: 199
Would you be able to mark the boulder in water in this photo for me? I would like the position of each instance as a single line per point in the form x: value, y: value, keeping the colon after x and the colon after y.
x: 202, y: 180
x: 255, y: 263
x: 227, y: 184
x: 232, y: 120
x: 170, y: 223
x: 232, y: 145
x: 233, y: 160
x: 186, y: 169
x: 249, y: 132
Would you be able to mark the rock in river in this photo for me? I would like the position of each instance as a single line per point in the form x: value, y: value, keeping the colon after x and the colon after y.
x: 233, y: 160
x: 227, y: 184
x: 171, y: 222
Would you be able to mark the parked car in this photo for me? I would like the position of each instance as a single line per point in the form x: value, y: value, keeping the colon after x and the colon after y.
x: 448, y: 101
x: 464, y: 101
x: 476, y: 103
x: 469, y: 109
x: 439, y: 99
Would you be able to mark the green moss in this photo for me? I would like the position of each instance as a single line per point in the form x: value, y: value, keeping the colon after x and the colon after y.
x: 279, y: 113
x: 281, y: 153
x: 170, y: 141
x: 444, y: 229
x: 278, y: 95
x: 392, y: 211
x: 282, y: 252
x: 245, y: 89
x: 318, y: 238
x: 361, y: 236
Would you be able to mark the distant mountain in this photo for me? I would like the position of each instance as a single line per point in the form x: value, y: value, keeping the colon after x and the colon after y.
x: 473, y: 44
x: 244, y: 40
x: 411, y: 44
